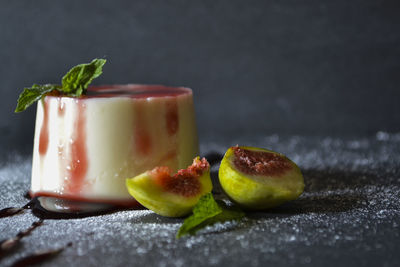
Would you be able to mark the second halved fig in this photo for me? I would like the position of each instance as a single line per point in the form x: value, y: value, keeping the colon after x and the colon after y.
x: 258, y: 179
x: 172, y: 195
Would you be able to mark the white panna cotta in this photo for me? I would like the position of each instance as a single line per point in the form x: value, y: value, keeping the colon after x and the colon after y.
x: 85, y: 148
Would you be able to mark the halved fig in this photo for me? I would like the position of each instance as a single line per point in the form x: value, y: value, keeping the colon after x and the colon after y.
x: 171, y: 195
x: 258, y: 178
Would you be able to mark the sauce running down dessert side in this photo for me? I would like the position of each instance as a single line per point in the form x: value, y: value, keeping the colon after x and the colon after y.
x: 85, y: 148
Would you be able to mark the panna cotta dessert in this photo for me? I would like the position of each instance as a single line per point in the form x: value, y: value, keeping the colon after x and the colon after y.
x: 85, y: 148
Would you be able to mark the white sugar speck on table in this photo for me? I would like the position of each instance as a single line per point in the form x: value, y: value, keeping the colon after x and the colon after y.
x: 348, y: 214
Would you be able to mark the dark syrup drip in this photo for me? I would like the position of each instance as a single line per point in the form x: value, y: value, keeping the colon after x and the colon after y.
x: 8, y: 245
x: 49, y: 208
x: 39, y: 257
x: 57, y: 208
x: 11, y: 211
x: 27, y: 195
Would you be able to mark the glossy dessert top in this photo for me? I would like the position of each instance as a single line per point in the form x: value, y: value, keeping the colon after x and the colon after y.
x: 131, y: 90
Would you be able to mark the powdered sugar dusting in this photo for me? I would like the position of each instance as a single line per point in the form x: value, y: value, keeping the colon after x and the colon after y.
x: 349, y: 214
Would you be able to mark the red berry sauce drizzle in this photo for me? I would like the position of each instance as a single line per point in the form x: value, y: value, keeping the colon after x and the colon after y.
x: 260, y: 162
x: 172, y: 118
x: 44, y: 131
x: 75, y: 166
x: 46, y: 205
x: 78, y: 164
x: 142, y: 135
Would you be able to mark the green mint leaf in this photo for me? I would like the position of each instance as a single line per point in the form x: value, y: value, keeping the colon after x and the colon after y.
x: 205, y: 208
x: 33, y: 94
x: 207, y: 212
x: 74, y: 83
x: 77, y: 80
x: 227, y: 214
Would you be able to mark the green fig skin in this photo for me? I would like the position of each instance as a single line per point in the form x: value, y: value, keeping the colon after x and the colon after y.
x: 148, y: 192
x: 259, y: 192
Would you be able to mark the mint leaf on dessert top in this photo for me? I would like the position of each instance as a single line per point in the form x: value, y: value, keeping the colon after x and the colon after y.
x: 33, y: 94
x: 207, y: 212
x: 74, y: 83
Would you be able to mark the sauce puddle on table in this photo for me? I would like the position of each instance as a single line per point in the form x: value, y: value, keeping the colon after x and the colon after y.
x: 45, y: 207
x: 57, y: 208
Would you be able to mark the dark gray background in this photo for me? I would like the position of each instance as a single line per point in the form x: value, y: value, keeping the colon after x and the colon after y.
x: 262, y: 72
x: 257, y: 67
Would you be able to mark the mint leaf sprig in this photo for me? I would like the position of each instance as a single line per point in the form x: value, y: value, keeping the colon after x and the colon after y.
x: 33, y: 94
x: 77, y: 80
x: 208, y: 212
x: 74, y: 83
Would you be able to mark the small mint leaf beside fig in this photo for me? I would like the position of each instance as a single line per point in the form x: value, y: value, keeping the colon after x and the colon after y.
x: 208, y: 212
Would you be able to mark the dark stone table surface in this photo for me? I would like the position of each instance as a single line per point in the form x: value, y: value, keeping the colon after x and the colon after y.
x: 348, y: 215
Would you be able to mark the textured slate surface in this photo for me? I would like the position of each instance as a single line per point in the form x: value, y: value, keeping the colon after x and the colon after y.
x: 299, y: 67
x: 348, y: 215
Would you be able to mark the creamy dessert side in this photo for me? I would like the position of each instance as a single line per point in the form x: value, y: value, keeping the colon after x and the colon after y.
x: 85, y: 148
